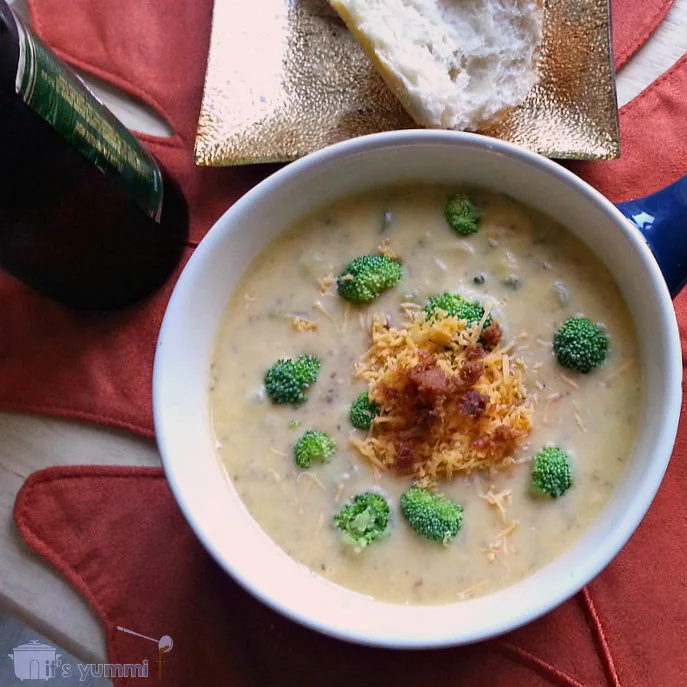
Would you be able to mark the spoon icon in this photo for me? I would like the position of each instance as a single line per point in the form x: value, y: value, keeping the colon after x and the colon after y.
x: 164, y: 644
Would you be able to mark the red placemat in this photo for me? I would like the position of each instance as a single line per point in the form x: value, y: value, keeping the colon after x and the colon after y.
x: 138, y: 564
x: 99, y: 367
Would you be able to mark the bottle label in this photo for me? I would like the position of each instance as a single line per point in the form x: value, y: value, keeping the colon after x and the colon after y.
x: 61, y: 99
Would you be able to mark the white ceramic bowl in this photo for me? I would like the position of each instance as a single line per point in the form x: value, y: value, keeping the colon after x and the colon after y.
x: 180, y: 384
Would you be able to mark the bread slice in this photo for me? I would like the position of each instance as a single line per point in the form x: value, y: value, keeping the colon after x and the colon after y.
x: 453, y: 64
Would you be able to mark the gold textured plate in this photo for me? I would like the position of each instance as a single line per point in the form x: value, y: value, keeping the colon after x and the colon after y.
x: 285, y: 78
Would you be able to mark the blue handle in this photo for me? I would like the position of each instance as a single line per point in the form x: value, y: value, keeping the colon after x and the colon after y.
x: 662, y: 220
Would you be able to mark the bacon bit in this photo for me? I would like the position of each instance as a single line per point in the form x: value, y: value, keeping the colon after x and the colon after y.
x: 384, y: 248
x: 475, y: 352
x: 301, y: 324
x: 441, y: 265
x: 275, y: 475
x: 470, y: 372
x: 249, y: 298
x: 523, y: 335
x: 326, y: 283
x: 537, y: 366
x: 278, y: 452
x: 339, y: 492
x: 541, y: 342
x: 570, y: 382
x: 430, y: 380
x: 473, y: 403
x: 539, y: 385
x: 492, y: 335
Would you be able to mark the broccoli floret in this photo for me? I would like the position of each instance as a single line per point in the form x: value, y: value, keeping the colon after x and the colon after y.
x: 580, y: 344
x: 366, y: 277
x: 363, y: 411
x: 313, y: 447
x: 551, y: 474
x: 288, y: 380
x: 456, y: 306
x: 463, y: 217
x: 431, y: 515
x: 364, y: 519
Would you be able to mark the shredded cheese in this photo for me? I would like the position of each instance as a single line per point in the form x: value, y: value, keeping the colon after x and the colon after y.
x: 326, y: 283
x: 320, y: 524
x: 570, y: 382
x: 301, y: 324
x: 498, y: 499
x: 472, y: 590
x: 460, y: 443
x: 323, y: 310
x: 311, y: 479
x: 619, y: 370
x: 500, y: 544
x: 384, y: 248
x: 578, y: 416
x: 550, y: 400
x: 347, y: 315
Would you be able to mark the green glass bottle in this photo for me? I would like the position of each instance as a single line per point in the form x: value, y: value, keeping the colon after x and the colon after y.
x: 87, y: 215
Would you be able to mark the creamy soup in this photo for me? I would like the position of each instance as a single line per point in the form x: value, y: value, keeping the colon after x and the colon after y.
x: 534, y: 274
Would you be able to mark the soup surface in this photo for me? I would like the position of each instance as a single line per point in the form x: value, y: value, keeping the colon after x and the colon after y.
x: 534, y: 274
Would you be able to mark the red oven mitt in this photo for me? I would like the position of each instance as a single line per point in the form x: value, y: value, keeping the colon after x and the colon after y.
x: 99, y: 367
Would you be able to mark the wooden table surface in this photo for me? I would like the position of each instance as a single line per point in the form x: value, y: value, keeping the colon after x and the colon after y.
x: 28, y: 588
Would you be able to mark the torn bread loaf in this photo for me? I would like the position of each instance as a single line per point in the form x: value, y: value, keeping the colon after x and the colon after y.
x: 453, y: 64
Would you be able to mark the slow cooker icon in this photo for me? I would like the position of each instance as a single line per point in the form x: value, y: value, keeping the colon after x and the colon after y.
x: 35, y: 661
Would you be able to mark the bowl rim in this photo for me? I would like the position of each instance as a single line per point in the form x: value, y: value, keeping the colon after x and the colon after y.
x: 352, y: 147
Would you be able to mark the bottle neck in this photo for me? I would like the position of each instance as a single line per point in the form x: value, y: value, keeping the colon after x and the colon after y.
x: 9, y: 49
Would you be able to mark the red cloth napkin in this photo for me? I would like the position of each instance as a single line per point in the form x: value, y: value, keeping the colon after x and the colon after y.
x: 98, y: 367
